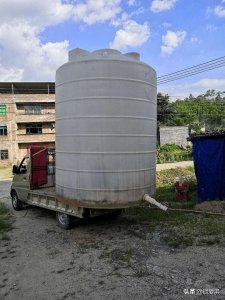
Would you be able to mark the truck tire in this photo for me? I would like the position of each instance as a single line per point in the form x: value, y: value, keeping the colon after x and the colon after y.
x: 16, y: 203
x: 64, y: 220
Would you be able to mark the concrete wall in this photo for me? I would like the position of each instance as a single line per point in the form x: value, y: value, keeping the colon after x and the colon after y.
x: 174, y: 135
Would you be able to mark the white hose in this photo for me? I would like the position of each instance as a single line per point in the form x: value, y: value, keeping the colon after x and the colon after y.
x: 153, y: 201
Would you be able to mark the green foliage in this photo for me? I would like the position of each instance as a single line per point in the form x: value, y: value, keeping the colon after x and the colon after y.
x: 169, y: 148
x: 172, y: 153
x: 5, y: 224
x: 164, y: 110
x: 204, y: 111
x: 165, y: 191
x: 167, y: 177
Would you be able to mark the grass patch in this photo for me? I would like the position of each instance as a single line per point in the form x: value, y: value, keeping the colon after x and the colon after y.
x: 165, y: 188
x: 168, y: 176
x: 172, y: 153
x: 178, y: 229
x: 5, y: 222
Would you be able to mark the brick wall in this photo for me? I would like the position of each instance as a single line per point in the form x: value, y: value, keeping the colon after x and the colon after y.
x: 17, y: 141
x: 7, y: 141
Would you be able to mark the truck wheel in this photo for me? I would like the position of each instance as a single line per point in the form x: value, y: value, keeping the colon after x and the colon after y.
x: 16, y: 203
x: 64, y: 220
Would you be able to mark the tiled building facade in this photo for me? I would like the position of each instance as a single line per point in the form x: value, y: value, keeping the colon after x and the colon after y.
x: 27, y: 117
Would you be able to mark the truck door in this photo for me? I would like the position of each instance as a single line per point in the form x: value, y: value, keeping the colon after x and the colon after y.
x: 39, y: 162
x: 22, y: 179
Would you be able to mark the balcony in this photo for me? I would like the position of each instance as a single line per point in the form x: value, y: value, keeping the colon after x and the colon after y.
x: 35, y: 138
x: 32, y: 118
x: 34, y: 98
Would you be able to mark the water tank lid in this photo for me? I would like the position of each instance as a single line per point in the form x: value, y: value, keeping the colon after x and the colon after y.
x: 76, y: 53
x: 133, y: 55
x: 106, y: 52
x: 81, y: 54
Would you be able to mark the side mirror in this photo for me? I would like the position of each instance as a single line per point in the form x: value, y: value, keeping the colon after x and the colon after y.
x: 15, y: 169
x: 23, y: 169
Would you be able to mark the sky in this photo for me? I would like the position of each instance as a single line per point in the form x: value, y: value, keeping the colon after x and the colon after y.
x: 170, y: 35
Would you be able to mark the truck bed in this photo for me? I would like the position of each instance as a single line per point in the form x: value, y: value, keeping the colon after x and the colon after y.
x: 46, y: 191
x: 46, y: 198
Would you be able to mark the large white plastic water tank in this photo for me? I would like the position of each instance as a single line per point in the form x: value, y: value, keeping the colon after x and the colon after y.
x: 105, y: 129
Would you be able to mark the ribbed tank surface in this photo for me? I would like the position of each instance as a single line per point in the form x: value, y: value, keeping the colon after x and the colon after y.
x: 105, y: 129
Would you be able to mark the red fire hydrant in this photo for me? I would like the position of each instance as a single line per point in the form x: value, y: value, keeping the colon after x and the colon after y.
x: 181, y: 189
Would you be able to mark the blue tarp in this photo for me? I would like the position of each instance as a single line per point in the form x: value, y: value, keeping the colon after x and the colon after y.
x: 209, y: 162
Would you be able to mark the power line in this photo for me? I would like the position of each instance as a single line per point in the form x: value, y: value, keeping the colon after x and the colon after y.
x: 210, y: 61
x: 189, y: 74
x: 196, y: 67
x: 195, y: 71
x: 200, y: 68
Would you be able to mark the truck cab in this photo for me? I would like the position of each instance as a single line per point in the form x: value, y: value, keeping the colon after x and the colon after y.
x: 21, y: 179
x: 36, y: 171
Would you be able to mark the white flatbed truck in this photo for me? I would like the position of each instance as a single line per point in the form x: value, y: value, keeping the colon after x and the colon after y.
x: 34, y: 184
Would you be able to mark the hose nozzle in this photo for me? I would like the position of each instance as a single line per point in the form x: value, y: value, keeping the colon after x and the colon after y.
x: 153, y: 201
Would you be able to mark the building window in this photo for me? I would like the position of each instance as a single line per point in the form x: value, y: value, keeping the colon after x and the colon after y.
x: 3, y: 130
x: 4, y: 154
x: 2, y: 110
x: 32, y: 109
x: 34, y: 128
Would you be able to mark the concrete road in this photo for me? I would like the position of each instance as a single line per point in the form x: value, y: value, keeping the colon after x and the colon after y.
x: 180, y: 164
x: 5, y: 188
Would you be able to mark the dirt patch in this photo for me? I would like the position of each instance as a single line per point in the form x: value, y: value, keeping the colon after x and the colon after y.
x: 181, y: 164
x: 104, y: 259
x: 211, y: 206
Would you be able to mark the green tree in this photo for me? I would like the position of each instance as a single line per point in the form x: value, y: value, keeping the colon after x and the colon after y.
x: 206, y: 110
x: 165, y: 113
